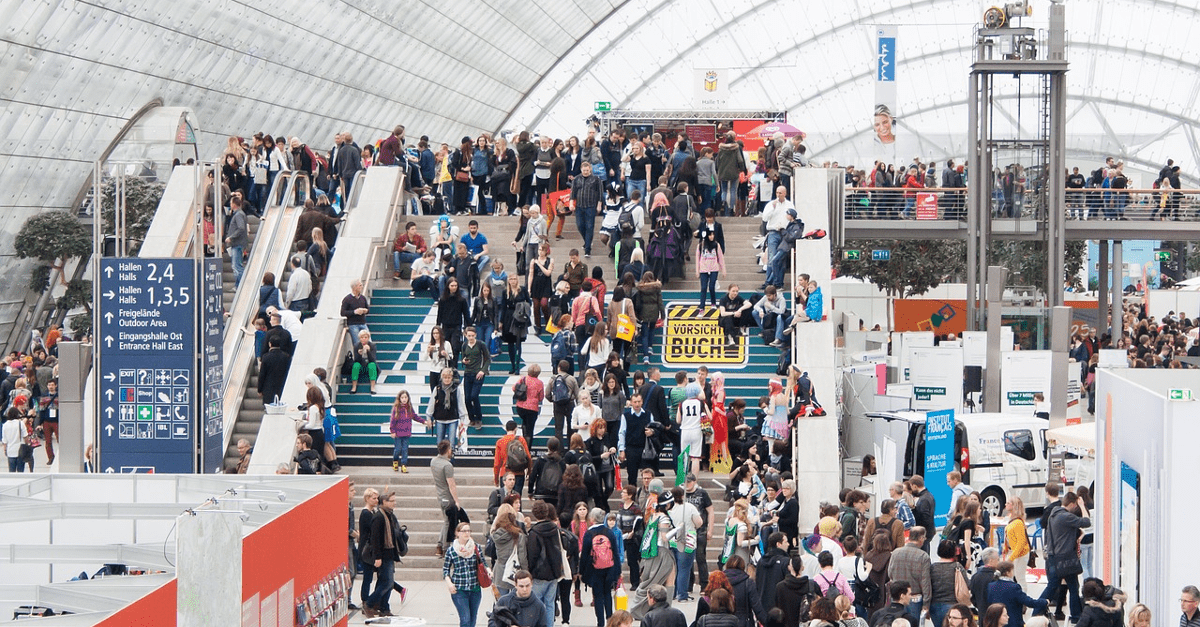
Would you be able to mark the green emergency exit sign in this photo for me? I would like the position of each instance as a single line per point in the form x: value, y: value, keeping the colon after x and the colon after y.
x: 1179, y: 394
x: 603, y: 105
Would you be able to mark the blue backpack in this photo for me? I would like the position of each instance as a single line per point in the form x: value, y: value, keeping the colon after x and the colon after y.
x: 332, y: 429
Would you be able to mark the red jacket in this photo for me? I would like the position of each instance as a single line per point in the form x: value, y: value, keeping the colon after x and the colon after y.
x: 499, y: 463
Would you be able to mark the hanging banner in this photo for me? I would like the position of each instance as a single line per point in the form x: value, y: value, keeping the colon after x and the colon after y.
x: 939, y: 457
x: 884, y: 114
x: 710, y: 88
x: 936, y: 374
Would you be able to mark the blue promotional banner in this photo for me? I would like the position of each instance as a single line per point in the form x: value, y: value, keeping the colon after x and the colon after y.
x: 883, y: 114
x: 212, y: 366
x: 147, y: 365
x: 939, y: 459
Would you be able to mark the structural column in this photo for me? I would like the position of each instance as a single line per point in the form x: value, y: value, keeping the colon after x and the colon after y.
x: 1118, y: 292
x: 1102, y: 281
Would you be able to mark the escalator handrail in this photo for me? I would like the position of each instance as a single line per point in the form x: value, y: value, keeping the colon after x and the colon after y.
x: 238, y: 345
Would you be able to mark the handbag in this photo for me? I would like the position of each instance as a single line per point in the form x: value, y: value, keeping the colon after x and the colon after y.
x: 962, y: 592
x: 1033, y: 556
x: 520, y: 391
x: 462, y: 176
x: 566, y: 562
x: 625, y: 327
x: 481, y: 571
x: 514, y: 185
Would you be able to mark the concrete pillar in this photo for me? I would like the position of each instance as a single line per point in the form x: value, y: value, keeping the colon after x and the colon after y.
x: 1060, y: 336
x: 1118, y: 292
x: 996, y: 277
x: 74, y: 367
x: 1102, y: 325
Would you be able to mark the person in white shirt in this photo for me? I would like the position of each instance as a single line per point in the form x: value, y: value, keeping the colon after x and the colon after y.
x: 299, y: 288
x: 290, y: 321
x: 425, y: 272
x: 691, y: 415
x: 775, y: 214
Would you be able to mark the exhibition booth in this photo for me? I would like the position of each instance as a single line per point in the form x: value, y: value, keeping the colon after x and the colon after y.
x: 157, y: 549
x: 1147, y: 427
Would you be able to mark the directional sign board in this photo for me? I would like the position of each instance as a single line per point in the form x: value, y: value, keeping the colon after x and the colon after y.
x: 851, y: 255
x: 212, y: 366
x: 147, y: 365
x: 881, y: 255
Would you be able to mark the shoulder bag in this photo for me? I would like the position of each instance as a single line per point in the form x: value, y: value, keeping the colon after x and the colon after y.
x: 962, y: 592
x: 481, y: 571
x: 566, y: 561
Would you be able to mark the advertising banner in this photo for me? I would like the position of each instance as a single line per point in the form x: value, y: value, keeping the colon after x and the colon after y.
x: 936, y: 374
x: 693, y: 337
x: 884, y: 112
x: 1023, y: 374
x: 939, y: 457
x: 701, y: 133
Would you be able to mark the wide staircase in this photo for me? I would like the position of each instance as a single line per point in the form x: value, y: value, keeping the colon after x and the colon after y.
x: 418, y: 510
x: 400, y: 325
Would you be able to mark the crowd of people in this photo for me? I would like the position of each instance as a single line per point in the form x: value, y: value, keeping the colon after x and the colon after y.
x: 29, y: 401
x: 549, y: 543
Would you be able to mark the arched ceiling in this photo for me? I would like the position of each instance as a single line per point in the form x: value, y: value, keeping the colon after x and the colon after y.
x: 1132, y: 87
x: 74, y: 71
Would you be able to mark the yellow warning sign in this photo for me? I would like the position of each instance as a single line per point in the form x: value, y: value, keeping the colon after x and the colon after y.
x: 693, y: 337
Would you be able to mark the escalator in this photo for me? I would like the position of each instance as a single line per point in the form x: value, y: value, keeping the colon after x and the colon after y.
x: 270, y: 251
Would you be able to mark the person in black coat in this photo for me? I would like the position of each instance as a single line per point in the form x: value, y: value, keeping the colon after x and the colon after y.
x: 366, y: 519
x: 747, y: 602
x: 773, y: 568
x: 789, y: 512
x: 1102, y: 606
x: 273, y: 371
x: 453, y: 315
x: 983, y: 578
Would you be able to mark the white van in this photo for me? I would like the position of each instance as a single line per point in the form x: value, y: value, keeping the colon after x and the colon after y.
x: 1000, y: 455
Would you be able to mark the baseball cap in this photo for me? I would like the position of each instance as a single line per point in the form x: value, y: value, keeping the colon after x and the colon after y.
x: 791, y: 212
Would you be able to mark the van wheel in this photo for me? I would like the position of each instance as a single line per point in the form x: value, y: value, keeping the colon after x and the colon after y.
x: 994, y: 500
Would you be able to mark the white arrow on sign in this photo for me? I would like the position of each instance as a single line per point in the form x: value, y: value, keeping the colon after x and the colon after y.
x: 108, y: 341
x: 110, y: 377
x: 110, y: 295
x: 109, y: 429
x: 108, y: 412
x: 108, y: 272
x: 109, y: 470
x: 108, y: 316
x: 109, y: 395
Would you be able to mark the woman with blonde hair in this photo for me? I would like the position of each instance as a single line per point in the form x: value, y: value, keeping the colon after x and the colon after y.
x: 1140, y: 616
x: 319, y: 251
x: 507, y: 534
x: 1016, y: 539
x: 738, y: 536
x: 845, y: 610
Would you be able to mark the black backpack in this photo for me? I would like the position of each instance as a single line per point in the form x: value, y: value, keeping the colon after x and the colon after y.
x: 517, y: 458
x: 785, y: 362
x: 625, y: 218
x: 866, y: 592
x: 552, y: 471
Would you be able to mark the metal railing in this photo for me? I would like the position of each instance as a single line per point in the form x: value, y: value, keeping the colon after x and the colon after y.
x: 940, y: 203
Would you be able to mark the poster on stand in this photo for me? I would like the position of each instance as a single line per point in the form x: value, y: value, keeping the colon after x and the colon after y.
x: 975, y: 346
x: 936, y: 375
x: 912, y: 339
x: 1023, y: 374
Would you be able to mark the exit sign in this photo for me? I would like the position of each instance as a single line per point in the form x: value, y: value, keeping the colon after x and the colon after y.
x: 603, y: 106
x: 851, y: 255
x: 1177, y: 394
x: 881, y: 255
x: 1162, y: 255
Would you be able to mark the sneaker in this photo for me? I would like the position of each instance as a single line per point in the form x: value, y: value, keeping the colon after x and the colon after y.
x: 404, y: 469
x: 776, y: 343
x: 395, y: 466
x: 646, y: 361
x: 587, y: 255
x: 396, y: 276
x: 412, y: 293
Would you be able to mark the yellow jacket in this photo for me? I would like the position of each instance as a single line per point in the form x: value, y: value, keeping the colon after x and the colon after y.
x: 1016, y: 539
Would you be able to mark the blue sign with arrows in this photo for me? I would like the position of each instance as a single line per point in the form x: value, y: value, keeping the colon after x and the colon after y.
x: 147, y: 365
